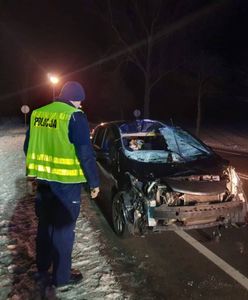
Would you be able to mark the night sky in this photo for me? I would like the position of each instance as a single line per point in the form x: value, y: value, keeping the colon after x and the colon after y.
x: 75, y: 40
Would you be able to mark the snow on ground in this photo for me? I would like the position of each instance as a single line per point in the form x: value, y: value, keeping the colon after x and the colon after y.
x: 18, y: 230
x: 226, y: 138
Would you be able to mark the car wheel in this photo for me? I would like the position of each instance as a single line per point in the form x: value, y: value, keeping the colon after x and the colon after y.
x: 119, y: 223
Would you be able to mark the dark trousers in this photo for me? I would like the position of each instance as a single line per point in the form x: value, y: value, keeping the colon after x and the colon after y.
x: 57, y: 208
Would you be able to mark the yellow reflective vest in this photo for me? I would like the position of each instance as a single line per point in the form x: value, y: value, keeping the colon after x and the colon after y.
x: 51, y: 156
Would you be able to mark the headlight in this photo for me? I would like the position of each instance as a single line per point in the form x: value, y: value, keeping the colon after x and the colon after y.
x: 236, y: 184
x: 235, y: 181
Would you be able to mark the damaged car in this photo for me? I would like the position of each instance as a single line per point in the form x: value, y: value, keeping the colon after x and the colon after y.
x: 157, y: 177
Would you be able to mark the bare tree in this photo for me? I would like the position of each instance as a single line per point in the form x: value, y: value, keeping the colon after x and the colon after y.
x: 210, y: 77
x: 202, y: 82
x: 116, y: 94
x: 135, y: 26
x: 142, y: 33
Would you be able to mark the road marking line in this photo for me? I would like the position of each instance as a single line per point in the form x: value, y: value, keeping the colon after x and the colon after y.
x: 243, y: 176
x: 235, y: 274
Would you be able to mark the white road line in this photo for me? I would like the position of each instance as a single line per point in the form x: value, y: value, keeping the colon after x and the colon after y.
x: 235, y: 274
x: 243, y: 176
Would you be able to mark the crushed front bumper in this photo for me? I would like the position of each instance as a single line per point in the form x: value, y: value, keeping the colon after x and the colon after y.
x: 201, y: 215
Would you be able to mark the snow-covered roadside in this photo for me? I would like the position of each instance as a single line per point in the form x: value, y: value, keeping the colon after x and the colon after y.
x: 225, y: 138
x: 17, y: 235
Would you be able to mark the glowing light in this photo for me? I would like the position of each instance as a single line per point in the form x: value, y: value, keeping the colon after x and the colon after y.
x: 53, y: 78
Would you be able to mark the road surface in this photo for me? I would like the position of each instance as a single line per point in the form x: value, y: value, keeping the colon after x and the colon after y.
x: 191, y: 265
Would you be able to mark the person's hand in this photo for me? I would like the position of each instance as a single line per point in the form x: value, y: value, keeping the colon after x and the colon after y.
x: 94, y: 192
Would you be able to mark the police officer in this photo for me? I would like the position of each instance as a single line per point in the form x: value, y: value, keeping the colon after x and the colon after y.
x: 60, y: 156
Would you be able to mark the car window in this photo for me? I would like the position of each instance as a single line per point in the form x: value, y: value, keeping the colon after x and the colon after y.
x: 99, y: 135
x: 109, y: 139
x: 149, y: 147
x: 94, y: 133
x: 184, y: 143
x: 155, y: 142
x: 168, y: 145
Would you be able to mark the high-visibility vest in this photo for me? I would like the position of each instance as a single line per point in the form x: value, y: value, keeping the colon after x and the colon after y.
x: 51, y: 156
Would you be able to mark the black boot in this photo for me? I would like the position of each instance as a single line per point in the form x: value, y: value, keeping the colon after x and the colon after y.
x: 76, y: 277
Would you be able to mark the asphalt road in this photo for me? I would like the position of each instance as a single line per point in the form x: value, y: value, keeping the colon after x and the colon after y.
x: 165, y: 266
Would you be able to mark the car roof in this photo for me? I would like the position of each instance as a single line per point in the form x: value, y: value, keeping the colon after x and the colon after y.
x: 126, y: 126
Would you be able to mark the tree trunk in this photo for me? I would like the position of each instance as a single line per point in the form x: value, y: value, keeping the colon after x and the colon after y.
x: 199, y: 110
x: 147, y: 102
x: 147, y: 92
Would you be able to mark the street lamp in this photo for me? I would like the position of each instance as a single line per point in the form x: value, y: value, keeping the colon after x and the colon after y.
x: 54, y: 80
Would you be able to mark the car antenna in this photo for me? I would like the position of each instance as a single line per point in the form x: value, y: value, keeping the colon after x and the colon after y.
x: 178, y: 148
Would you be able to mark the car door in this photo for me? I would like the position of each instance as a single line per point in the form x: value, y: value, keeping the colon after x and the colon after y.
x: 103, y: 140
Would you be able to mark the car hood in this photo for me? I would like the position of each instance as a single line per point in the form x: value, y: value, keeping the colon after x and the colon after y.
x: 182, y: 185
x: 213, y: 165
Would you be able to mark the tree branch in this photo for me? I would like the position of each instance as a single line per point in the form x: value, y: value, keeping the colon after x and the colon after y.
x: 154, y: 19
x: 141, y: 19
x: 132, y: 56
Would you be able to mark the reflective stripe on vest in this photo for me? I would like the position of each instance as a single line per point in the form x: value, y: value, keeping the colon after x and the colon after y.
x: 51, y: 156
x: 49, y: 170
x: 55, y: 160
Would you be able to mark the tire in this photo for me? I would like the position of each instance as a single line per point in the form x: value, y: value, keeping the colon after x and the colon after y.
x: 118, y: 221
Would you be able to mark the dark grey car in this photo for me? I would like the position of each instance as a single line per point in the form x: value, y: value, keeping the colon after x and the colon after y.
x: 158, y: 177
